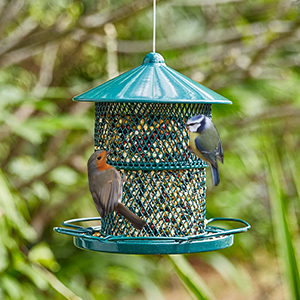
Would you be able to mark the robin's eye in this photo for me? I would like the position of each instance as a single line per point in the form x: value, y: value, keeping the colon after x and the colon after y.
x: 99, y: 157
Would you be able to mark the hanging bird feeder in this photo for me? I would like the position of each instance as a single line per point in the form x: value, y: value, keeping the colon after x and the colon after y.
x: 140, y: 117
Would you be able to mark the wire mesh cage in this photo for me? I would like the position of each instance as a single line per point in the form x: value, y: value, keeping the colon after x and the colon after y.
x: 140, y: 118
x: 165, y: 183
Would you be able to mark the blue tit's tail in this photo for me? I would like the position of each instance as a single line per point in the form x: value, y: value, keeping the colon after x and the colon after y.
x: 215, y: 176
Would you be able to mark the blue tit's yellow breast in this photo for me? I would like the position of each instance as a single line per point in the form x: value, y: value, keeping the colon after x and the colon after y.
x: 192, y: 144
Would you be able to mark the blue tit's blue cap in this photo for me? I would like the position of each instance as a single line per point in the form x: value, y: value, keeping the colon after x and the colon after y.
x: 196, y: 118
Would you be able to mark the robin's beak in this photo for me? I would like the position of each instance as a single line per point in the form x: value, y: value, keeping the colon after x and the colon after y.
x: 108, y: 152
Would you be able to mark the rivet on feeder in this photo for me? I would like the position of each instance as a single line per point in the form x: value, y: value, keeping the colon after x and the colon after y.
x: 140, y: 117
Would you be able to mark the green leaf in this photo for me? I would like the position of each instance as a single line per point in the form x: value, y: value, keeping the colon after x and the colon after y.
x: 12, y: 287
x: 279, y: 217
x: 31, y: 272
x: 10, y: 95
x: 42, y: 254
x: 150, y: 289
x: 10, y: 211
x: 229, y: 271
x: 190, y: 278
x: 64, y: 175
x: 293, y: 162
x: 4, y: 259
x: 29, y: 133
x: 26, y: 167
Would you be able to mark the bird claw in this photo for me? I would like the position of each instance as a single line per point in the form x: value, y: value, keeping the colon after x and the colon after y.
x: 124, y: 178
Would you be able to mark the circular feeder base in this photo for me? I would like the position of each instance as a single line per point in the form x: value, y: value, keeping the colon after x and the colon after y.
x: 214, y: 238
x: 155, y: 247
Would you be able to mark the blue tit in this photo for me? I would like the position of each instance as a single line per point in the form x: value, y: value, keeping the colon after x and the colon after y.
x: 205, y: 143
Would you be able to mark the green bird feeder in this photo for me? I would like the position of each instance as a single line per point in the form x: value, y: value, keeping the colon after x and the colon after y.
x: 140, y: 117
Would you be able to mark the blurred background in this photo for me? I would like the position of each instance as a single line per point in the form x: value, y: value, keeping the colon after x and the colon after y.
x: 50, y: 50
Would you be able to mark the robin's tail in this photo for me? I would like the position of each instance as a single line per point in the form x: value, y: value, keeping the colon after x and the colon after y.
x: 136, y: 221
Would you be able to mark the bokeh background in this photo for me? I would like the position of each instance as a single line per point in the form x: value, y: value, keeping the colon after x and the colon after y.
x: 51, y: 50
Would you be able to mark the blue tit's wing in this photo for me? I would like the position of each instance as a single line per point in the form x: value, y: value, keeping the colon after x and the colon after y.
x: 219, y: 152
x: 216, y: 142
x: 207, y: 151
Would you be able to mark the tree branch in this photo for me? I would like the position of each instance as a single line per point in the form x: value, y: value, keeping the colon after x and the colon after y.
x: 10, y: 13
x: 17, y: 35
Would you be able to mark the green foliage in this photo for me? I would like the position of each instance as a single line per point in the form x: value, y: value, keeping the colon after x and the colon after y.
x: 52, y: 50
x: 283, y: 235
x: 190, y: 278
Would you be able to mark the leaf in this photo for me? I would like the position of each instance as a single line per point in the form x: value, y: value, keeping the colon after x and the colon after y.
x: 293, y: 162
x: 10, y: 211
x: 12, y: 287
x: 33, y: 273
x: 150, y: 289
x: 42, y: 254
x: 26, y: 167
x: 190, y: 278
x: 229, y: 271
x: 29, y: 133
x: 4, y: 259
x: 10, y: 95
x: 64, y: 175
x: 279, y: 217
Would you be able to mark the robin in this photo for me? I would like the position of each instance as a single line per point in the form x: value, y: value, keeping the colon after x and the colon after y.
x: 106, y: 186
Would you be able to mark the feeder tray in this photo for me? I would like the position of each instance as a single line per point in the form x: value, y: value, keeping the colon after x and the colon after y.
x: 92, y: 238
x: 140, y: 117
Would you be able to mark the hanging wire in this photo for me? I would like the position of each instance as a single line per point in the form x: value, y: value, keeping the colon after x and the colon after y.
x: 154, y: 23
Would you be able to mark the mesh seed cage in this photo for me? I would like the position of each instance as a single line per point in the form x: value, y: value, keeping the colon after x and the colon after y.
x: 140, y: 117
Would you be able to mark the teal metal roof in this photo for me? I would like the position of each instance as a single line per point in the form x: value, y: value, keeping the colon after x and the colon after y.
x: 153, y: 82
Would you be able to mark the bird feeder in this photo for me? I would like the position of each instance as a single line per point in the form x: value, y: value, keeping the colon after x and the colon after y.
x: 140, y: 117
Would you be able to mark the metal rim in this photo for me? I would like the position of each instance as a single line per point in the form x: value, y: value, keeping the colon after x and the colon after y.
x: 167, y: 101
x: 154, y: 248
x: 214, y: 238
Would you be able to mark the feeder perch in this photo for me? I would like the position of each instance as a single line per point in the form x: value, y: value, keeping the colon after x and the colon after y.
x: 140, y: 117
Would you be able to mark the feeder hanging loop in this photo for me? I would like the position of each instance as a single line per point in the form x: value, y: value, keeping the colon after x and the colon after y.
x: 154, y: 24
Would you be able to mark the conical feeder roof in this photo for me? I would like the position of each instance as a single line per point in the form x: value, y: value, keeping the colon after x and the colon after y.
x: 154, y: 82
